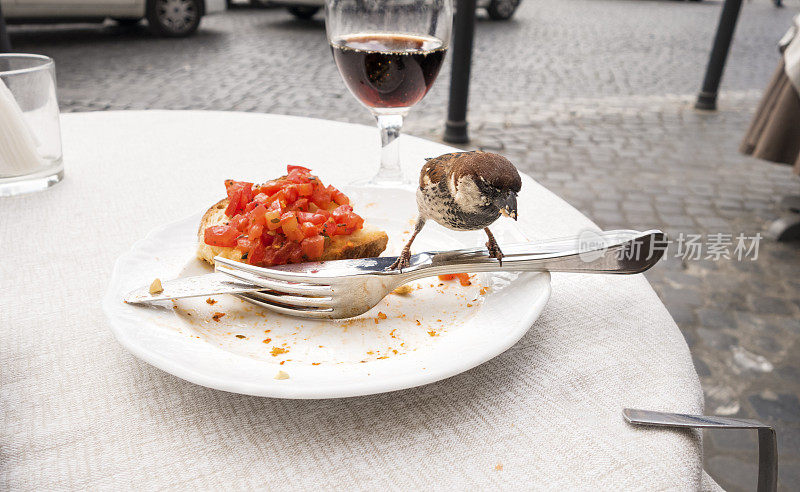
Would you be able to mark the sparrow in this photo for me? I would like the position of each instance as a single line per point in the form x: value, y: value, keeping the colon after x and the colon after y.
x: 465, y: 191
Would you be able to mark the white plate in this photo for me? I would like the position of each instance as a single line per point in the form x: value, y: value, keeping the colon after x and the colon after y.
x: 440, y: 330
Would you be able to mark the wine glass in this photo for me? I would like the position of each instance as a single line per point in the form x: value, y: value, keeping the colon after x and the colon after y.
x: 389, y: 53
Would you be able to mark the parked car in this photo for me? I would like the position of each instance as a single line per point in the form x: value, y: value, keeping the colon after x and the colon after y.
x: 305, y: 9
x: 171, y: 18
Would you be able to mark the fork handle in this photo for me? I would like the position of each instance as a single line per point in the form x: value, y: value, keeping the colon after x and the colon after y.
x: 617, y: 252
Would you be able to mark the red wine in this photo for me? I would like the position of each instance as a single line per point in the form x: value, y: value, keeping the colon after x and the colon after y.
x: 388, y: 70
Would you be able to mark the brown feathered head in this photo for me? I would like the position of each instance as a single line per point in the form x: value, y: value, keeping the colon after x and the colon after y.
x: 495, y: 176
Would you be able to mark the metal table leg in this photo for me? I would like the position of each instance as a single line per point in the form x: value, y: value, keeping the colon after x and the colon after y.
x: 5, y: 44
x: 464, y: 31
x: 707, y: 99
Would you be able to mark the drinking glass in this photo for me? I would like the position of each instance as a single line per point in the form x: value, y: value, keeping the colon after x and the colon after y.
x: 389, y: 53
x: 30, y: 134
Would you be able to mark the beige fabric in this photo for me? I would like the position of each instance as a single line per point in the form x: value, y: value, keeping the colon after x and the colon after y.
x: 790, y: 44
x: 774, y: 132
x: 80, y: 412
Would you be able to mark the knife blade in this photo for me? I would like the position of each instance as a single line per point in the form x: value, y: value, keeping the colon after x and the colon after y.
x: 201, y: 285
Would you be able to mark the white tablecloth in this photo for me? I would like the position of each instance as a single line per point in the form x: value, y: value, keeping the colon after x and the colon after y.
x: 79, y: 412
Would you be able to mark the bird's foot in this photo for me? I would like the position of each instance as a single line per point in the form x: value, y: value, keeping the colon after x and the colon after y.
x: 494, y: 251
x: 402, y: 261
x: 491, y: 245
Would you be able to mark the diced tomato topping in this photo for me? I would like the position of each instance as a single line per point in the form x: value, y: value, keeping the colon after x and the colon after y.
x: 463, y: 278
x: 321, y: 197
x: 221, y: 235
x: 301, y: 204
x: 273, y: 219
x: 257, y: 253
x: 313, y: 246
x: 237, y: 222
x: 305, y: 189
x: 290, y: 227
x: 255, y: 232
x: 284, y: 220
x: 244, y: 244
x: 233, y: 202
x: 309, y: 229
x: 270, y: 187
x: 291, y: 168
x: 258, y: 215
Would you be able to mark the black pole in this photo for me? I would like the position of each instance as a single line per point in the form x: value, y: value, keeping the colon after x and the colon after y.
x: 5, y: 43
x: 707, y: 98
x: 455, y: 130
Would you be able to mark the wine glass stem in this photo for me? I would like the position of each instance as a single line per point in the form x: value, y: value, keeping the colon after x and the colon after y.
x: 390, y: 126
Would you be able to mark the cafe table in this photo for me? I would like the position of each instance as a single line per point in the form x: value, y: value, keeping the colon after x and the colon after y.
x: 80, y: 412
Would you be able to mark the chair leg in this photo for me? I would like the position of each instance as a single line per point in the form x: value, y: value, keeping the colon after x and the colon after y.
x: 785, y: 228
x: 791, y: 203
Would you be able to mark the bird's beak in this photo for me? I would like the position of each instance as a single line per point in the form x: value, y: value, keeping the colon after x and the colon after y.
x: 508, y: 205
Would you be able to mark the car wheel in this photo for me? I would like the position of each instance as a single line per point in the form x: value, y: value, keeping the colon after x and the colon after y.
x: 502, y: 9
x: 173, y: 18
x: 303, y: 12
x: 127, y: 21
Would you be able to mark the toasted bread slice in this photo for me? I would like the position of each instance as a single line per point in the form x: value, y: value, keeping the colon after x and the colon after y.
x: 363, y: 243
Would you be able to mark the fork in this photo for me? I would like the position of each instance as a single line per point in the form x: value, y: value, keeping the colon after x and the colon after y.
x: 347, y: 288
x: 767, y: 442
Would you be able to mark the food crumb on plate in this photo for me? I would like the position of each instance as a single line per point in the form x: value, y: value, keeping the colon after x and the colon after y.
x: 211, y: 301
x: 282, y: 375
x: 433, y: 333
x: 277, y: 351
x: 240, y: 336
x: 217, y: 316
x: 381, y: 315
x: 403, y: 290
x: 155, y: 287
x: 266, y: 340
x: 498, y: 467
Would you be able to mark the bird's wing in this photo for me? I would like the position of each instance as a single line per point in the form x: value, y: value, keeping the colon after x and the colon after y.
x: 434, y: 172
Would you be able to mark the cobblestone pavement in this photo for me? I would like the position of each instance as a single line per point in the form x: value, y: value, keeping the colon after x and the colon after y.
x: 593, y: 99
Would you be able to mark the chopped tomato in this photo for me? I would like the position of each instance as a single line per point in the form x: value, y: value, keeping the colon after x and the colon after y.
x: 270, y: 187
x: 257, y: 253
x: 233, y: 202
x: 221, y: 235
x: 273, y: 219
x: 463, y: 278
x: 305, y: 189
x: 313, y: 246
x: 300, y: 204
x: 309, y: 229
x: 237, y: 222
x: 255, y: 232
x: 284, y: 220
x: 291, y: 193
x: 321, y: 197
x: 244, y: 244
x: 258, y: 215
x: 337, y: 196
x: 290, y: 227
